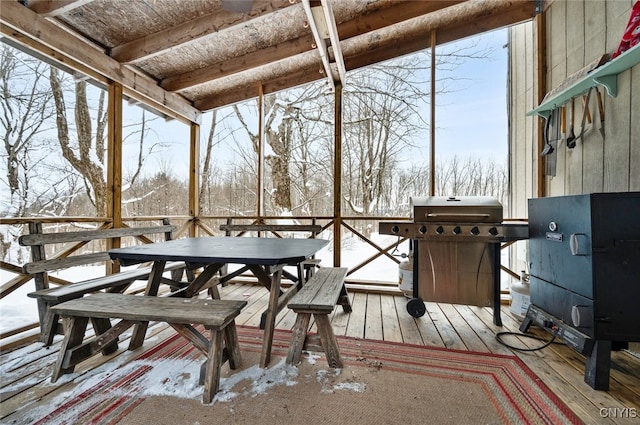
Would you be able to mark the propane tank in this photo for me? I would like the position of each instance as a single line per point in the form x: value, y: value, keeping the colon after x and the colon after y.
x: 405, y: 278
x: 520, y: 295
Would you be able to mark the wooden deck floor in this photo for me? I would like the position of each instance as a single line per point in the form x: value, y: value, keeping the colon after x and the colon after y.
x: 384, y: 317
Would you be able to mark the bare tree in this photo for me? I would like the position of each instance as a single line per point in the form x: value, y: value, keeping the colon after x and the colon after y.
x: 86, y: 151
x: 25, y: 111
x: 290, y: 131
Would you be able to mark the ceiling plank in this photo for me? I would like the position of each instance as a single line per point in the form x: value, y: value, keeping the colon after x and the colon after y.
x: 187, y: 32
x: 28, y: 23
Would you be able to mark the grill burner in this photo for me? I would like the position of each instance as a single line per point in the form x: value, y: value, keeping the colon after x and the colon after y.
x: 456, y: 250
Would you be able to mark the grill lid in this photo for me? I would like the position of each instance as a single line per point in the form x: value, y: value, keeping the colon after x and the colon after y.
x: 456, y: 209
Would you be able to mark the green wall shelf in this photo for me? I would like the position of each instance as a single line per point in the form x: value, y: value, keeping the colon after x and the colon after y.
x: 606, y: 75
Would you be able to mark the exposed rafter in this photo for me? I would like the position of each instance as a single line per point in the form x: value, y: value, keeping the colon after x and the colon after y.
x: 189, y: 32
x: 392, y: 13
x: 66, y: 48
x: 318, y: 26
x: 50, y: 8
x: 189, y: 57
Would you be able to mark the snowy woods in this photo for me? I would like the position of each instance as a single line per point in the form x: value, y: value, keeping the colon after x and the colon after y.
x: 53, y: 126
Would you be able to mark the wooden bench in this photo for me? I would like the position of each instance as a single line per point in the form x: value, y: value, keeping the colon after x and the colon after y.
x: 318, y: 297
x: 117, y: 282
x: 306, y: 268
x: 181, y: 313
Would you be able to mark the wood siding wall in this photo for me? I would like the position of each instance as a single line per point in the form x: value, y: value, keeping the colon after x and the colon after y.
x: 577, y: 32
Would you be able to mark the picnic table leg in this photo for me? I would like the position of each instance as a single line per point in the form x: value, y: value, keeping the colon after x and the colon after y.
x: 270, y: 323
x: 101, y: 326
x: 199, y: 282
x: 140, y: 330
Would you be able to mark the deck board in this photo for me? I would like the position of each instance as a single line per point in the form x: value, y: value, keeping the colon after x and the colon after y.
x: 379, y: 317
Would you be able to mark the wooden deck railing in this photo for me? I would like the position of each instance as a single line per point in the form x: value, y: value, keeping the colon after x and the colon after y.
x: 209, y: 226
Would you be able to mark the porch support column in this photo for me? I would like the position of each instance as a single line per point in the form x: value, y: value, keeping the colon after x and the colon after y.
x: 432, y: 125
x: 261, y: 141
x: 194, y: 178
x: 337, y: 177
x: 114, y: 165
x: 540, y: 29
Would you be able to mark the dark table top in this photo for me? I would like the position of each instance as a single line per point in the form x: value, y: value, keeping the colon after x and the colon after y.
x: 227, y: 250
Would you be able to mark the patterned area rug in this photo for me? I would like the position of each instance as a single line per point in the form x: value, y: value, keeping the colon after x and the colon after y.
x: 381, y: 383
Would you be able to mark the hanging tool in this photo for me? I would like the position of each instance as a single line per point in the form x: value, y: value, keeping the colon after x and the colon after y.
x: 585, y: 105
x: 584, y: 113
x: 601, y: 111
x: 547, y: 147
x: 571, y: 137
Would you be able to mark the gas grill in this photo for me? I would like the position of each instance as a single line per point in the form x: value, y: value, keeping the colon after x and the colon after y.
x: 584, y: 253
x: 456, y: 250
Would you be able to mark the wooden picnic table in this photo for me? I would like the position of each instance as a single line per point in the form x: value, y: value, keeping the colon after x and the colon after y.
x: 264, y: 257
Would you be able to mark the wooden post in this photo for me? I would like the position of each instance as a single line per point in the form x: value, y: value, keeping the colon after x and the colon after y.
x: 432, y: 126
x: 194, y: 179
x: 114, y: 166
x: 261, y: 141
x: 541, y: 88
x: 337, y: 177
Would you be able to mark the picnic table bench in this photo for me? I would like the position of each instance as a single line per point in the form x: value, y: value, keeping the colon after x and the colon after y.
x: 180, y: 313
x: 116, y: 282
x: 318, y: 297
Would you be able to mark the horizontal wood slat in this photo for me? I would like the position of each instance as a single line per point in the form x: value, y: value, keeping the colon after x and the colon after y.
x: 314, y: 228
x: 89, y: 235
x: 63, y: 263
x: 67, y: 292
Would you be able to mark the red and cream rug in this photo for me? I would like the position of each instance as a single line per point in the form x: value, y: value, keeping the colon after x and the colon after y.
x: 381, y: 383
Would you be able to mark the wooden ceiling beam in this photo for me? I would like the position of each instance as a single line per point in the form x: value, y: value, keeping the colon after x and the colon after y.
x: 49, y: 8
x: 225, y: 68
x: 385, y: 44
x: 188, y: 32
x: 477, y: 17
x: 239, y: 94
x: 397, y: 12
x: 18, y: 21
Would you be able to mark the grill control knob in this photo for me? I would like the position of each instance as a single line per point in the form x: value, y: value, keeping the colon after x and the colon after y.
x: 440, y: 230
x: 422, y: 229
x: 493, y: 231
x: 475, y: 231
x: 395, y: 229
x: 457, y: 230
